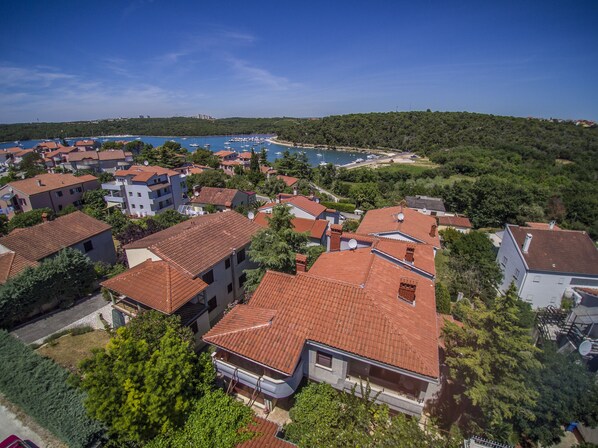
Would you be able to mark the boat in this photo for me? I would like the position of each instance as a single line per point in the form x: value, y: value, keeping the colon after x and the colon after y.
x: 319, y: 155
x: 322, y: 164
x: 138, y: 138
x: 359, y: 160
x: 278, y: 153
x: 194, y: 145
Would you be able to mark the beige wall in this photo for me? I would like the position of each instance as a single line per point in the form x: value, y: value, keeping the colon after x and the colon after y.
x: 138, y: 256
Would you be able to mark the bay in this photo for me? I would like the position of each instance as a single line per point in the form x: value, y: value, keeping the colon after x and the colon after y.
x: 239, y: 143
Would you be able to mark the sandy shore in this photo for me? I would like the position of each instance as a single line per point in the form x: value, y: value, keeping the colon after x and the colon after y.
x: 385, y: 152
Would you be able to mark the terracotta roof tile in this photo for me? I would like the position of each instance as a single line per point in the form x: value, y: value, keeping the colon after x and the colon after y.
x: 143, y: 173
x: 49, y: 182
x: 541, y: 225
x: 157, y: 284
x: 222, y: 154
x: 454, y: 221
x: 45, y: 239
x: 245, y: 156
x: 48, y: 145
x: 565, y: 251
x: 82, y: 155
x: 354, y: 308
x: 312, y: 207
x: 12, y: 264
x: 265, y: 435
x: 290, y: 181
x: 199, y: 243
x: 215, y: 196
x: 384, y: 221
x: 315, y: 227
x: 85, y: 143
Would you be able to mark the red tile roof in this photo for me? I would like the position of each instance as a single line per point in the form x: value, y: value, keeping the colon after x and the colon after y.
x: 290, y: 181
x: 565, y: 251
x: 45, y: 239
x: 85, y: 143
x: 442, y: 320
x: 48, y: 145
x: 415, y: 225
x: 454, y: 221
x: 12, y: 264
x: 267, y: 169
x: 49, y: 182
x: 62, y: 150
x: 215, y: 196
x: 199, y: 243
x: 315, y: 227
x: 352, y: 307
x: 265, y: 435
x: 245, y: 156
x: 142, y: 173
x: 541, y: 225
x: 312, y: 207
x: 222, y: 154
x: 591, y: 291
x: 157, y: 284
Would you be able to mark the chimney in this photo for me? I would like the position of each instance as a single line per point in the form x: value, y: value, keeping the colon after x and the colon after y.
x: 407, y: 290
x: 300, y: 263
x: 39, y: 182
x: 410, y: 254
x: 295, y: 190
x: 551, y: 225
x: 433, y: 230
x: 527, y: 242
x: 336, y: 231
x: 44, y: 217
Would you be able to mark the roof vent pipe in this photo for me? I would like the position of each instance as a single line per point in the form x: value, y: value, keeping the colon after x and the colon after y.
x: 527, y: 242
x: 551, y: 225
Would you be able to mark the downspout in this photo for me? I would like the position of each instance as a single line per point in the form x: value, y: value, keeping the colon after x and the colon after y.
x: 232, y: 271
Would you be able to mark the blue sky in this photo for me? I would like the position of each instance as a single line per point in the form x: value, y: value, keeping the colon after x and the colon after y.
x: 65, y: 60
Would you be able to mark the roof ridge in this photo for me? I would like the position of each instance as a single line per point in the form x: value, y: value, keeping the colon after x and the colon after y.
x: 168, y: 288
x: 328, y: 280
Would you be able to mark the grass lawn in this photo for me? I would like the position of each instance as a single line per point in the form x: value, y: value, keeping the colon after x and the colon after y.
x: 69, y: 350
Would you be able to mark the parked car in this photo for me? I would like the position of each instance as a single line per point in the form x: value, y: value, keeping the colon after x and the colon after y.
x: 13, y: 441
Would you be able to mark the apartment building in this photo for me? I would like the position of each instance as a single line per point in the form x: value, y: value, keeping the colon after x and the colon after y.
x: 146, y: 190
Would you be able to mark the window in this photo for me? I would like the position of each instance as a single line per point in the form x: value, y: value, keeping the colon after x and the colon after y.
x: 242, y: 280
x: 72, y: 191
x: 59, y: 207
x: 194, y: 327
x: 208, y: 277
x: 504, y: 261
x: 59, y: 194
x: 536, y: 279
x: 227, y: 263
x: 212, y: 304
x: 324, y: 360
x: 79, y: 190
x: 241, y: 256
x: 130, y: 193
x: 133, y: 205
x: 229, y: 288
x: 140, y: 205
x: 516, y: 274
x: 78, y: 203
x: 138, y: 195
x: 87, y: 246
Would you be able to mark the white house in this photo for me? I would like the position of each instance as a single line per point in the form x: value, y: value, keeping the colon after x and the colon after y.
x: 546, y: 263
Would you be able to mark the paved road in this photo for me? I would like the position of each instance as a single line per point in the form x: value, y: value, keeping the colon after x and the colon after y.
x: 10, y: 424
x: 320, y: 189
x: 82, y: 313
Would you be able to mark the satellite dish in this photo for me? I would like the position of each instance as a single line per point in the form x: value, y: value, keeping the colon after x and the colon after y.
x: 145, y: 162
x: 401, y: 217
x: 585, y: 348
x: 196, y: 193
x: 424, y: 210
x: 352, y: 243
x: 251, y: 215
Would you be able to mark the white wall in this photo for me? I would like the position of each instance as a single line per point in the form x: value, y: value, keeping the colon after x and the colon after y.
x: 335, y: 375
x: 513, y: 263
x: 138, y: 256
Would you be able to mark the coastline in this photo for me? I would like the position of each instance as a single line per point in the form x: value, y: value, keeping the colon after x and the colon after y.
x: 386, y: 152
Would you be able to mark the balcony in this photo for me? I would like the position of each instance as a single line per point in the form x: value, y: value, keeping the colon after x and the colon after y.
x: 112, y: 186
x: 277, y: 388
x: 394, y: 399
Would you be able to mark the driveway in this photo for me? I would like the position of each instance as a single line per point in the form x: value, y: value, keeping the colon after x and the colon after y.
x: 10, y: 424
x: 85, y: 312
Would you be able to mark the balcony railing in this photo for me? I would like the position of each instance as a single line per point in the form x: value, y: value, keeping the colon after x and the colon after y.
x: 395, y: 400
x: 269, y: 386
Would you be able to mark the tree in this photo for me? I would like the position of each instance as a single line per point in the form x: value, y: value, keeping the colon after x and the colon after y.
x: 323, y: 417
x: 350, y: 225
x: 217, y: 420
x: 274, y: 247
x: 273, y: 186
x: 255, y: 175
x: 443, y: 299
x: 489, y: 358
x: 32, y: 164
x: 567, y: 392
x: 264, y: 157
x: 143, y: 383
x: 169, y: 218
x: 205, y: 157
x: 30, y: 218
x: 210, y: 178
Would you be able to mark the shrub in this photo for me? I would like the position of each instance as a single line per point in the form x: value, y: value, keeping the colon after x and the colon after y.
x: 30, y: 218
x: 61, y: 279
x: 42, y: 392
x: 340, y: 206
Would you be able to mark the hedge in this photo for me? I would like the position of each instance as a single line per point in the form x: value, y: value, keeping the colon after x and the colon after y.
x: 40, y: 388
x: 61, y: 279
x: 340, y: 206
